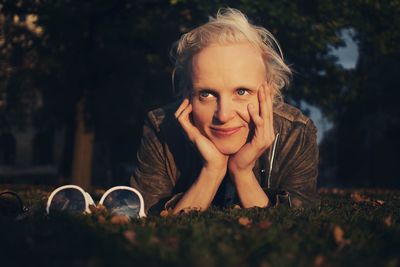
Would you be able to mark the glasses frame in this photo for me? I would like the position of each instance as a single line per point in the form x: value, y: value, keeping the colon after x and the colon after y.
x: 89, y: 200
x: 22, y: 207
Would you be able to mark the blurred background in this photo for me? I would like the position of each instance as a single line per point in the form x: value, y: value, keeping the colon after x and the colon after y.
x: 77, y: 78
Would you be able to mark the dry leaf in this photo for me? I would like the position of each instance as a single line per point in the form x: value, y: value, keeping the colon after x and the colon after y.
x: 92, y: 208
x: 100, y: 208
x: 101, y: 219
x: 172, y: 241
x: 388, y: 221
x: 97, y: 209
x: 338, y: 191
x: 119, y: 219
x: 245, y: 221
x: 380, y: 202
x: 319, y: 261
x: 154, y: 240
x: 236, y: 207
x: 265, y: 224
x: 237, y: 236
x: 338, y: 235
x: 130, y: 235
x: 189, y: 210
x: 357, y: 197
x: 264, y: 264
x: 164, y: 213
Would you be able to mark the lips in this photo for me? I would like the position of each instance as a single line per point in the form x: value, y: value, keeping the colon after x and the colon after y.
x: 224, y: 132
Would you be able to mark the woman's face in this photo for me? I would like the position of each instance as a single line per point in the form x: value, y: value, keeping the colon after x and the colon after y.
x: 226, y: 78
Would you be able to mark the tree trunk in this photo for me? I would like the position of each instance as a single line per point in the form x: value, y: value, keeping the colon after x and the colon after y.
x: 83, y: 150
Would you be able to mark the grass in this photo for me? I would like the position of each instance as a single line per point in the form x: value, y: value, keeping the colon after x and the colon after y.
x: 350, y: 229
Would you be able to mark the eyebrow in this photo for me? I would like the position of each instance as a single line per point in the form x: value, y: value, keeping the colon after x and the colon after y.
x: 210, y: 89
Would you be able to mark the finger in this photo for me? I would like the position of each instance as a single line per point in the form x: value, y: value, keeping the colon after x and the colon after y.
x: 258, y: 121
x: 269, y: 114
x: 262, y: 101
x: 186, y: 124
x: 269, y: 118
x: 182, y: 107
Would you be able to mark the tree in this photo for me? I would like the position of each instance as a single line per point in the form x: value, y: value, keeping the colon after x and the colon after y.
x: 113, y: 56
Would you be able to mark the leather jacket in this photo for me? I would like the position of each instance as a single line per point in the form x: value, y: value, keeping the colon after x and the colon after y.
x: 167, y: 162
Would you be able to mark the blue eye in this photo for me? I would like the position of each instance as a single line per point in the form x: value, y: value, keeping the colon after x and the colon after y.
x: 204, y: 94
x: 242, y: 91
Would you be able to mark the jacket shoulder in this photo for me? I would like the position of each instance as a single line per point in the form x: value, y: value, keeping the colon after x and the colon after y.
x: 159, y: 116
x: 290, y: 113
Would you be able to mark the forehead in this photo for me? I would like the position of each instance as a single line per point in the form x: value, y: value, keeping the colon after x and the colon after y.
x: 228, y: 65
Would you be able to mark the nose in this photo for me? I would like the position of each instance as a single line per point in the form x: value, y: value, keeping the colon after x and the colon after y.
x: 225, y: 111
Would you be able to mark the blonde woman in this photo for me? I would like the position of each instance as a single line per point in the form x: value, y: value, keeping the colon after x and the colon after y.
x: 231, y: 139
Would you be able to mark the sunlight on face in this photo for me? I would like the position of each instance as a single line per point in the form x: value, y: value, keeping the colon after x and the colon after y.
x: 226, y: 78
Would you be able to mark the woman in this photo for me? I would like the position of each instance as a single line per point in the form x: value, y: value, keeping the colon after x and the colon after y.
x: 232, y: 140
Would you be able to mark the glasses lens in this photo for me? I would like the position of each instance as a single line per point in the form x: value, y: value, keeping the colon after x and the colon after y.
x: 70, y: 200
x: 123, y: 202
x: 10, y: 204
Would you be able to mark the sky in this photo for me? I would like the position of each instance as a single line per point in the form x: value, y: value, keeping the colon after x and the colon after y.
x: 347, y: 57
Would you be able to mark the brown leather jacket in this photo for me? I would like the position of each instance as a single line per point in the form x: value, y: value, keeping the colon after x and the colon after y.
x: 167, y: 163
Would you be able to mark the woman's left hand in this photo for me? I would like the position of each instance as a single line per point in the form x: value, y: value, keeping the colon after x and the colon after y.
x: 244, y: 160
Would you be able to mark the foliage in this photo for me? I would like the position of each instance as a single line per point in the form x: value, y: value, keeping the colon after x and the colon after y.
x: 115, y: 55
x: 367, y: 123
x: 358, y: 228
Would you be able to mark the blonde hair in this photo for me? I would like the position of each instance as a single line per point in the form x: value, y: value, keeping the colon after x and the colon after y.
x: 230, y: 26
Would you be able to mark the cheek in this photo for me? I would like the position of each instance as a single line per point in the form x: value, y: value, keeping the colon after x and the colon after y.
x: 201, y: 114
x: 243, y: 111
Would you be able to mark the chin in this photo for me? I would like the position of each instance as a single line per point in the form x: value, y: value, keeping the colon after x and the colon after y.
x: 228, y: 149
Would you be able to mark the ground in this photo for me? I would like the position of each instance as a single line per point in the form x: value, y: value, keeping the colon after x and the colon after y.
x: 352, y: 227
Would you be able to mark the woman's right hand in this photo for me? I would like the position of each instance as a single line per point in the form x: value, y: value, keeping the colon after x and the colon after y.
x: 213, y: 158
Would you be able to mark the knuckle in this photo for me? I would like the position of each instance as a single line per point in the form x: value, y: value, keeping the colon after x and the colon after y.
x: 259, y: 122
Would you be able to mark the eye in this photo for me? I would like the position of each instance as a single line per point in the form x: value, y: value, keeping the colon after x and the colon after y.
x: 242, y: 91
x: 206, y: 95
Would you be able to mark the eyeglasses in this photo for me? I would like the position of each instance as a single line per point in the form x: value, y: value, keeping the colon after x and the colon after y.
x: 118, y: 200
x: 11, y: 204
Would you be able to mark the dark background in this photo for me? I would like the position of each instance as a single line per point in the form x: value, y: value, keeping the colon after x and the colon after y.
x: 113, y: 58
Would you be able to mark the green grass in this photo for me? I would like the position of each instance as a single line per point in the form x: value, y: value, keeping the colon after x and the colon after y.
x: 273, y: 237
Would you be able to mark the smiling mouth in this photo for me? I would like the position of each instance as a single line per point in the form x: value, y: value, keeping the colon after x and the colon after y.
x: 224, y: 132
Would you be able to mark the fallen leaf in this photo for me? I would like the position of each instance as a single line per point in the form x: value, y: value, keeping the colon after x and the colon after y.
x: 264, y: 264
x: 119, y: 219
x: 357, y: 197
x: 245, y: 221
x: 338, y: 191
x: 154, y: 240
x: 319, y: 261
x: 236, y: 207
x: 92, y: 208
x: 100, y: 208
x: 380, y: 202
x: 388, y: 221
x: 338, y: 235
x: 189, y: 210
x: 97, y: 209
x: 164, y: 213
x: 237, y: 237
x: 101, y: 219
x: 265, y: 224
x: 172, y: 241
x: 130, y: 235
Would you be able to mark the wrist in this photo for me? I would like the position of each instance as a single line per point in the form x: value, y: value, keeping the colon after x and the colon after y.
x: 214, y: 172
x: 240, y: 176
x: 235, y: 170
